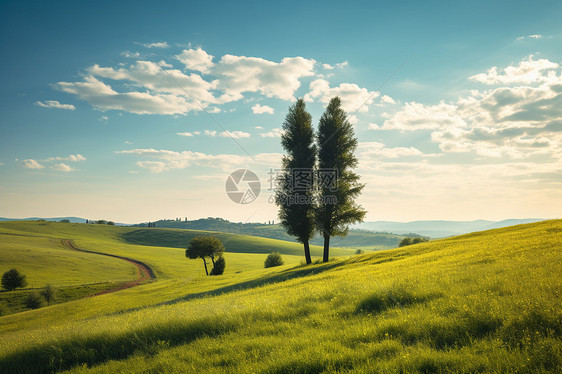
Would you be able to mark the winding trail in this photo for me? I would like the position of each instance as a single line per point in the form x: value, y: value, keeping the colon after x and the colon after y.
x: 144, y: 272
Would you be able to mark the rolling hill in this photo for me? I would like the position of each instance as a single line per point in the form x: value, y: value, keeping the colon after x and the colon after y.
x: 482, y: 302
x: 355, y: 238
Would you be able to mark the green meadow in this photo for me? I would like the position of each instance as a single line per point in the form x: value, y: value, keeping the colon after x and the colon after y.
x: 483, y: 302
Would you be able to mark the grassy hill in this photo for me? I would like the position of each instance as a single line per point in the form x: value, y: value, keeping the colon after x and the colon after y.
x: 35, y: 249
x: 482, y: 302
x: 355, y: 238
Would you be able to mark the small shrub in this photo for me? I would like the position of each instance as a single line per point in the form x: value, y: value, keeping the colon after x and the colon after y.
x: 12, y: 279
x: 34, y: 300
x: 359, y: 252
x: 49, y: 293
x: 409, y: 241
x: 220, y: 264
x: 273, y: 259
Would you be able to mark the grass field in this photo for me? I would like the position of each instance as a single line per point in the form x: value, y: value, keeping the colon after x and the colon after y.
x: 482, y: 302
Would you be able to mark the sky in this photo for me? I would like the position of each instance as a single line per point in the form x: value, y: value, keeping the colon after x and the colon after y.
x: 139, y: 111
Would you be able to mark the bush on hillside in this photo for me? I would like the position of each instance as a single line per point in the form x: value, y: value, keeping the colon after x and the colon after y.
x: 12, y: 279
x: 220, y: 264
x: 49, y: 293
x: 34, y: 300
x: 409, y: 241
x: 273, y: 259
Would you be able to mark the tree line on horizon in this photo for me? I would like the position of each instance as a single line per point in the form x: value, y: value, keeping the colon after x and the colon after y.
x: 317, y: 187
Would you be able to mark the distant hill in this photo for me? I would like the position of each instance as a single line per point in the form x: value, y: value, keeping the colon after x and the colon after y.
x: 54, y: 219
x: 355, y: 238
x: 441, y: 229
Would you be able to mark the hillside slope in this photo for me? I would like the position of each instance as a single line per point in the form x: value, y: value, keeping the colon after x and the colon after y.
x: 354, y: 239
x: 482, y: 302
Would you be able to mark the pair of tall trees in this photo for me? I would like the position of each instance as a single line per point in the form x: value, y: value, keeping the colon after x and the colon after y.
x: 317, y: 189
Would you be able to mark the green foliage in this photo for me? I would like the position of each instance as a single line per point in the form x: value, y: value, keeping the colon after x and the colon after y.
x: 295, y: 188
x: 12, y: 279
x: 409, y: 241
x: 101, y: 222
x: 273, y: 259
x: 34, y: 300
x: 49, y: 293
x: 336, y: 146
x: 218, y: 268
x: 111, y: 223
x: 64, y: 221
x: 359, y: 252
x: 204, y: 246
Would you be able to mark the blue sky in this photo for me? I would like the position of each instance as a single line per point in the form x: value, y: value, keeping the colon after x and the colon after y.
x: 128, y: 111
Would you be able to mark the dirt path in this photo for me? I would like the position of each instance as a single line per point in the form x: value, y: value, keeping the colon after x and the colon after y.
x: 144, y: 272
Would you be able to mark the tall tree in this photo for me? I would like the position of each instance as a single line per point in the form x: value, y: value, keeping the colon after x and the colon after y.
x: 295, y: 189
x: 338, y: 185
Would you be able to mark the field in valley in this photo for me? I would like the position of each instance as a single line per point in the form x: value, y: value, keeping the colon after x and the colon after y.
x: 482, y: 302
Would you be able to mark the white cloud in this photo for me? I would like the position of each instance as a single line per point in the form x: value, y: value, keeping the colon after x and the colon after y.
x: 353, y: 97
x: 164, y: 64
x: 240, y: 74
x: 155, y: 45
x: 234, y: 134
x: 147, y: 87
x: 535, y: 36
x: 260, y: 109
x: 274, y: 133
x: 62, y: 167
x: 210, y: 132
x: 54, y: 104
x: 184, y: 133
x: 416, y: 116
x: 196, y: 59
x: 376, y: 150
x: 518, y: 123
x: 258, y: 127
x: 341, y: 65
x: 327, y: 67
x: 527, y: 71
x: 104, y: 118
x: 164, y: 160
x: 32, y: 164
x: 385, y: 99
x: 103, y: 97
x: 130, y: 54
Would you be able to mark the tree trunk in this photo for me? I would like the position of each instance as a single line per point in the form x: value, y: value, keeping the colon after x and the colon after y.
x: 205, y: 262
x: 326, y: 247
x: 213, y: 259
x: 307, y: 252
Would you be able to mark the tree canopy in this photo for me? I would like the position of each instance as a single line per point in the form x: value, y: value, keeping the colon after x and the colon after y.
x: 205, y: 246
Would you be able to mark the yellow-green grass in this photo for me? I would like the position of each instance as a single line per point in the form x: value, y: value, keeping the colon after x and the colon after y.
x: 483, y: 302
x: 44, y: 260
x: 35, y: 249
